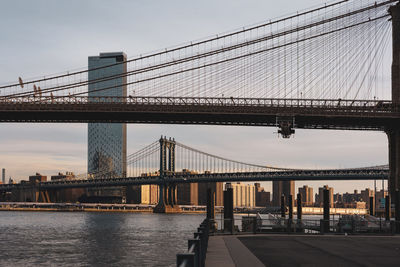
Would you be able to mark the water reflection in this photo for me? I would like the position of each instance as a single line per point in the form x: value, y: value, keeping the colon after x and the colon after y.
x: 103, y: 240
x: 93, y: 239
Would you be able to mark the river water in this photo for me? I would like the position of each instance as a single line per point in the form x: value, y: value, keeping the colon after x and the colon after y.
x: 94, y: 239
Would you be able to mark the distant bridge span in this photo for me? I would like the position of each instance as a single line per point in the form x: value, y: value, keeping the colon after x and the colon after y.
x: 310, y: 175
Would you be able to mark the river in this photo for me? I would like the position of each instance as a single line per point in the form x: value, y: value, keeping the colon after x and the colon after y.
x: 93, y: 238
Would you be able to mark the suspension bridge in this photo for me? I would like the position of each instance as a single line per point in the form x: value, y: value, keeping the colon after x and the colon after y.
x: 323, y: 68
x: 167, y: 163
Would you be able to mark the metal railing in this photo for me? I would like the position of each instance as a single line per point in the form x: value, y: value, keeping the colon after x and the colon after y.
x: 340, y: 225
x: 359, y: 105
x: 197, y: 248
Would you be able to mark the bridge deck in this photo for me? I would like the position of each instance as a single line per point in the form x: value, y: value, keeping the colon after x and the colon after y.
x: 300, y: 175
x: 308, y: 113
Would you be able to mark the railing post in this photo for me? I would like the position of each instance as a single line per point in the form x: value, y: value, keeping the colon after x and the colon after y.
x: 199, y: 235
x: 196, y: 243
x: 186, y: 257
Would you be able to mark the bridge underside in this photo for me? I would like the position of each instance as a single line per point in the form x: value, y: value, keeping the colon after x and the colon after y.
x: 307, y: 118
x: 203, y: 178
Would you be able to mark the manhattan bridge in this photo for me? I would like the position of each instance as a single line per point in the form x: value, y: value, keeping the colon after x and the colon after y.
x: 322, y: 68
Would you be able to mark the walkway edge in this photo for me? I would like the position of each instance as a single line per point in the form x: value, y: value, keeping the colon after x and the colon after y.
x: 240, y: 254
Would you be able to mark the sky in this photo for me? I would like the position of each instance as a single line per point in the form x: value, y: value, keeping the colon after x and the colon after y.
x: 44, y: 37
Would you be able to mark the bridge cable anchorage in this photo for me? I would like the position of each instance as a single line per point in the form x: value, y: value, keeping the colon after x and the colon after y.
x: 330, y: 52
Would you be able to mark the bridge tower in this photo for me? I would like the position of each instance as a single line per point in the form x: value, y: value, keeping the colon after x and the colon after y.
x: 168, y: 194
x: 393, y: 131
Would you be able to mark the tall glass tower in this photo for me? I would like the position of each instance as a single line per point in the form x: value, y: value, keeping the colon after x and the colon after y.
x: 107, y: 141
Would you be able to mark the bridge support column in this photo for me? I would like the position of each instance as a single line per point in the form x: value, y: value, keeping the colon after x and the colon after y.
x: 394, y: 167
x: 394, y: 132
x: 167, y: 202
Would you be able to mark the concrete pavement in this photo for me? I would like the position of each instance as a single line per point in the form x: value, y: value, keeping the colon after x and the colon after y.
x: 303, y: 250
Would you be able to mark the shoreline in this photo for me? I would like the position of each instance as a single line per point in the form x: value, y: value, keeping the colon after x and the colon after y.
x: 93, y: 210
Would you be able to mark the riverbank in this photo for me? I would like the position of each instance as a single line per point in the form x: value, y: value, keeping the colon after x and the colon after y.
x: 91, y: 207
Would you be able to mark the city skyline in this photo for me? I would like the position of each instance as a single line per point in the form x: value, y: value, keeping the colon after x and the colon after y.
x: 50, y: 148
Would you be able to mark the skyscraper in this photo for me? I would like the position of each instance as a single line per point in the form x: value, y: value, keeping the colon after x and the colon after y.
x: 3, y: 175
x: 306, y: 195
x: 107, y: 141
x: 321, y: 196
x: 282, y: 187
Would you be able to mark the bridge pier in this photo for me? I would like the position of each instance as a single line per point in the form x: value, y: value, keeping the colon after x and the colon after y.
x: 393, y: 131
x: 394, y: 160
x: 167, y: 202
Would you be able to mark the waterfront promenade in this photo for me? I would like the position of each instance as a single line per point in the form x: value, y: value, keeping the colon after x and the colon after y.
x: 301, y: 250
